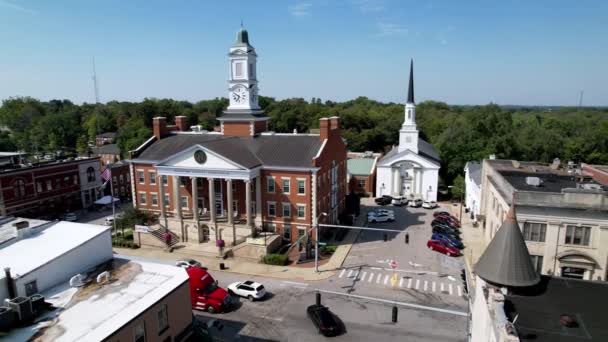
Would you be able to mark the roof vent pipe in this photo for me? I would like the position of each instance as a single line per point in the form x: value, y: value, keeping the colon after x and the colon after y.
x: 10, y: 284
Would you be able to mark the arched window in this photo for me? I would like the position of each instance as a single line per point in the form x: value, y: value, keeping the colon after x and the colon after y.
x: 91, y: 174
x: 19, y: 188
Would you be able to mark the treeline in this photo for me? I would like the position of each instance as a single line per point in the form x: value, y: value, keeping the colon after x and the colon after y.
x: 460, y: 133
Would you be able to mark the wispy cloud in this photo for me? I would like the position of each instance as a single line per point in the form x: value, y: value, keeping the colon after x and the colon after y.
x: 16, y: 7
x: 368, y: 6
x: 390, y: 29
x: 300, y: 9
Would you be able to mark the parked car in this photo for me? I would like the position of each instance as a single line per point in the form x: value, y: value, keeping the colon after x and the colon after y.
x: 446, y: 230
x: 449, y: 239
x: 448, y: 223
x: 447, y: 218
x: 440, y: 212
x: 323, y: 320
x: 382, y: 211
x: 416, y: 203
x: 185, y: 263
x: 71, y: 217
x: 442, y: 247
x: 399, y: 201
x: 429, y: 204
x: 384, y: 200
x: 380, y: 217
x: 247, y: 289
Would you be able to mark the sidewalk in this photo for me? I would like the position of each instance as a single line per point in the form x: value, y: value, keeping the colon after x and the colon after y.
x: 252, y: 268
x: 472, y: 238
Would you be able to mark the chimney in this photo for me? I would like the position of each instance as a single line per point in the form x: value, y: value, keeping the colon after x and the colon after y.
x: 335, y: 123
x: 181, y: 122
x: 10, y: 285
x: 159, y: 125
x: 324, y: 128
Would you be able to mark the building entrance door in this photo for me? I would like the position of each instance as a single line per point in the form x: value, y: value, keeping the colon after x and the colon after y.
x: 573, y: 272
x: 219, y: 203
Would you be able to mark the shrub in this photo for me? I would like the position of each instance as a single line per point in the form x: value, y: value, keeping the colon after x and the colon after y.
x: 275, y: 259
x: 328, y: 249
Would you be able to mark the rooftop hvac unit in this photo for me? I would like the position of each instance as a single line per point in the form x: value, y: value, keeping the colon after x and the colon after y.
x: 591, y: 186
x: 37, y: 303
x: 22, y: 307
x: 196, y: 128
x: 368, y: 154
x: 533, y: 181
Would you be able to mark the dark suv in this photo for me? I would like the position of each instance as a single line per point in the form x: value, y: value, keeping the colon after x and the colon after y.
x: 323, y: 319
x: 384, y: 200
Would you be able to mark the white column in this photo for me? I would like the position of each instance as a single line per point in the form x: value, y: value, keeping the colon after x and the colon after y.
x: 394, y: 181
x: 248, y: 205
x: 176, y: 197
x: 229, y: 197
x: 195, y: 200
x: 161, y: 194
x: 211, y: 200
x: 258, y: 200
x: 313, y: 190
x: 421, y: 184
x: 416, y: 175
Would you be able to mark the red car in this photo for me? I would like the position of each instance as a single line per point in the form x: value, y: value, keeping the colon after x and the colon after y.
x: 449, y: 219
x: 442, y: 247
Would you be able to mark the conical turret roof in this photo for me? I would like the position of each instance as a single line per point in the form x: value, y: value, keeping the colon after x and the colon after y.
x: 506, y: 260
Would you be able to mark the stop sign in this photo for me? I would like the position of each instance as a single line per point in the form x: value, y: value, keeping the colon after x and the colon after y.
x: 393, y: 264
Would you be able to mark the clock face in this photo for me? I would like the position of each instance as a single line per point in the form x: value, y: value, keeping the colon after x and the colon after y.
x: 239, y: 95
x: 200, y: 156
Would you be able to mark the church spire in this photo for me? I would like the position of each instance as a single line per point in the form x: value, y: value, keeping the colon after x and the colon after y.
x: 410, y: 90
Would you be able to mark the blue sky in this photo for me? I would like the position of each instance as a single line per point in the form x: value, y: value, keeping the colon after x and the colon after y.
x: 465, y: 52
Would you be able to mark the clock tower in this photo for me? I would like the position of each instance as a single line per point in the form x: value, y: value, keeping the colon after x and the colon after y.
x: 243, y: 115
x: 408, y: 134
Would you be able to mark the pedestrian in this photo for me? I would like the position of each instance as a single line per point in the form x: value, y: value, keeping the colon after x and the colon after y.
x: 407, y: 238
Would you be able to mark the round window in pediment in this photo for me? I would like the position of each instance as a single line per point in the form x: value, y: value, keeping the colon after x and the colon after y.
x: 200, y: 156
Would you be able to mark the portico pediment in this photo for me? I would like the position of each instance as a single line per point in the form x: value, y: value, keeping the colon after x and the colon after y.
x: 199, y: 161
x: 408, y: 156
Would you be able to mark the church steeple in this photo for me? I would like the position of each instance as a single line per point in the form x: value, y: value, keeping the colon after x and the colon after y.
x: 410, y: 89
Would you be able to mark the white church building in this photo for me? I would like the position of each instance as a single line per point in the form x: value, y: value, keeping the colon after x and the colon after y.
x: 410, y: 169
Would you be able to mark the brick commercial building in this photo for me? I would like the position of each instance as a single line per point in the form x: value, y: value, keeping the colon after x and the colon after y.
x: 243, y: 177
x: 49, y: 188
x: 108, y: 153
x: 598, y: 172
x: 362, y: 172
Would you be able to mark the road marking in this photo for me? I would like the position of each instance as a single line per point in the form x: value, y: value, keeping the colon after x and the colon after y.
x: 417, y: 283
x: 450, y: 287
x: 291, y: 286
x: 363, y: 276
x: 459, y: 291
x: 371, y: 277
x: 376, y: 268
x: 378, y: 279
x: 401, y: 282
x: 409, y: 283
x: 357, y: 274
x: 441, y: 287
x: 295, y: 283
x: 433, y: 286
x: 342, y: 273
x: 349, y: 273
x: 386, y: 279
x: 425, y: 285
x: 417, y: 306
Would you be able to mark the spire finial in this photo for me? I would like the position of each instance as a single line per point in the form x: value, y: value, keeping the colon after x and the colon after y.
x: 410, y: 91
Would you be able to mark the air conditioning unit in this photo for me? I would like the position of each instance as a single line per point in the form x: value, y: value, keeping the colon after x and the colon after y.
x: 591, y: 186
x: 38, y: 303
x: 533, y: 181
x: 22, y: 306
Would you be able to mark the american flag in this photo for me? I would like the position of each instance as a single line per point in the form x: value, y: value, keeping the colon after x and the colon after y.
x: 105, y: 174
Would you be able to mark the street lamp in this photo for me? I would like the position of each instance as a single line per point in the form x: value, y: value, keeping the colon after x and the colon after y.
x: 317, y: 241
x: 461, y: 193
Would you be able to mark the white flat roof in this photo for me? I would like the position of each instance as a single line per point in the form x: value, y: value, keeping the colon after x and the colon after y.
x: 45, y: 245
x: 97, y: 311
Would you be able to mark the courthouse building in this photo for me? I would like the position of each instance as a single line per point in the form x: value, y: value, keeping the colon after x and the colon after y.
x: 244, y: 177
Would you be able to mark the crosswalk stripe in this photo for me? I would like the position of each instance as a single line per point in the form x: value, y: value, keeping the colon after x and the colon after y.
x: 417, y: 283
x: 409, y: 283
x: 349, y: 273
x: 378, y: 279
x: 363, y: 276
x: 371, y: 277
x: 386, y: 279
x: 450, y: 287
x: 342, y: 273
x: 441, y: 287
x: 401, y: 282
x: 433, y: 286
x: 357, y: 274
x: 459, y: 291
x: 425, y: 282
